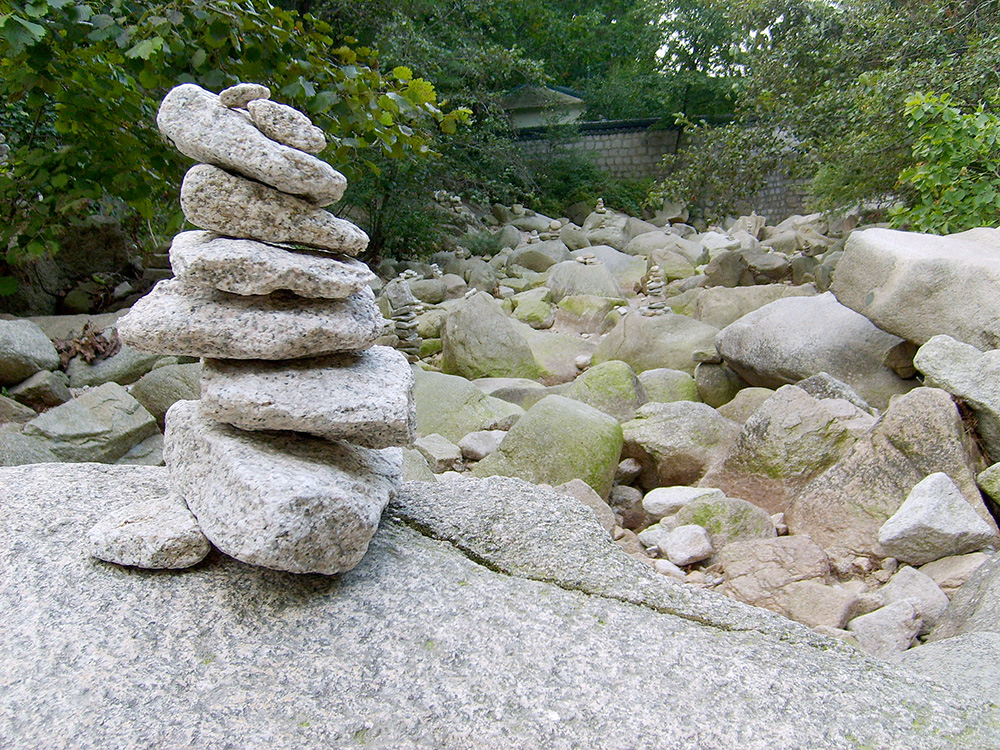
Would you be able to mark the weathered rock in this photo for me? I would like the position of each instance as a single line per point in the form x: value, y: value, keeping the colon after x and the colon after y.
x: 480, y: 341
x: 286, y: 125
x: 365, y: 397
x: 570, y: 278
x: 157, y: 532
x: 558, y: 440
x: 584, y: 313
x: 966, y: 663
x: 556, y: 354
x: 921, y: 433
x: 728, y: 268
x: 17, y: 449
x: 745, y: 403
x: 626, y: 270
x: 518, y: 644
x: 759, y: 571
x: 234, y: 206
x: 479, y: 444
x: 818, y: 605
x: 585, y: 494
x: 43, y: 390
x: 520, y: 391
x: 124, y: 367
x: 24, y: 350
x: 441, y: 454
x: 969, y: 374
x: 202, y: 127
x: 648, y: 343
x: 161, y: 388
x: 242, y: 94
x: 177, y: 318
x: 918, y: 286
x: 147, y: 453
x: 975, y: 607
x: 249, y: 267
x: 951, y: 572
x: 790, y: 440
x: 611, y: 387
x: 15, y: 412
x: 717, y: 383
x: 793, y: 338
x: 534, y: 307
x: 719, y: 306
x: 686, y: 545
x: 454, y: 407
x: 727, y: 519
x: 666, y: 501
x: 824, y: 385
x: 665, y: 385
x: 286, y: 502
x: 540, y: 256
x: 934, y: 521
x: 909, y: 584
x: 100, y: 425
x: 677, y: 443
x: 888, y: 630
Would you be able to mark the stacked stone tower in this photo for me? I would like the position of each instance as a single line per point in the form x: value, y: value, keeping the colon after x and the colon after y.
x: 287, y: 460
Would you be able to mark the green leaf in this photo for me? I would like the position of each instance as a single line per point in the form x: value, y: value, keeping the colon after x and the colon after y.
x: 8, y: 286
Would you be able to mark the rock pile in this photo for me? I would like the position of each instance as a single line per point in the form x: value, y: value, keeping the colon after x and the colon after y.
x: 286, y: 461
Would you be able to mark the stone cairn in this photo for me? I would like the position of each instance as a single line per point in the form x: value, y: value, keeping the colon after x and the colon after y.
x: 287, y: 461
x: 656, y: 301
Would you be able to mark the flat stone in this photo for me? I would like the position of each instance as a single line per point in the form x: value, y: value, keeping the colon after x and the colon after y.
x: 286, y: 125
x: 43, y: 390
x: 249, y: 267
x: 12, y: 411
x: 24, y: 350
x: 951, y: 572
x: 665, y: 501
x: 101, y: 424
x: 441, y: 454
x: 17, y: 449
x: 234, y: 206
x: 157, y: 532
x: 202, y: 127
x: 363, y: 397
x: 286, y: 502
x: 934, y: 521
x: 887, y: 631
x: 242, y: 94
x: 177, y: 318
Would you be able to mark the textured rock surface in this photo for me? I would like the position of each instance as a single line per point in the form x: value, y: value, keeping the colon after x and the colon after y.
x: 951, y: 572
x: 157, y: 532
x: 918, y: 286
x: 161, y: 388
x: 532, y: 652
x: 479, y: 341
x: 202, y: 127
x: 17, y: 449
x: 287, y: 502
x: 974, y: 607
x: 242, y: 94
x: 249, y: 267
x: 237, y: 207
x: 24, y: 350
x: 176, y: 318
x: 454, y: 407
x: 43, y: 390
x: 888, y: 630
x: 511, y: 655
x: 661, y: 341
x: 719, y: 306
x: 967, y: 663
x: 727, y: 519
x: 611, y: 387
x: 124, y: 368
x: 283, y: 124
x: 909, y: 584
x: 572, y: 278
x: 796, y: 337
x: 759, y: 571
x: 365, y: 398
x: 665, y: 501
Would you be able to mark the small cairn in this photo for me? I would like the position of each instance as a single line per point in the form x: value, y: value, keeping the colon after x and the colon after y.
x: 656, y: 301
x: 403, y: 310
x: 4, y: 150
x: 287, y: 461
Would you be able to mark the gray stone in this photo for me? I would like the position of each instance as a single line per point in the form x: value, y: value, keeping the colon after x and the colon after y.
x: 415, y: 468
x: 161, y: 388
x: 793, y: 338
x: 441, y: 454
x: 452, y: 406
x: 286, y: 502
x: 918, y: 286
x: 43, y: 390
x: 480, y: 341
x: 570, y: 278
x: 626, y: 269
x: 909, y: 584
x: 677, y: 443
x: 686, y: 545
x: 100, y: 425
x: 717, y: 383
x: 951, y: 572
x: 517, y: 647
x: 887, y: 631
x: 665, y: 385
x: 648, y: 343
x: 934, y: 521
x: 719, y: 306
x: 242, y: 94
x: 540, y: 256
x: 177, y: 318
x: 24, y: 350
x: 583, y: 492
x: 125, y: 367
x: 611, y: 387
x: 966, y: 663
x: 12, y: 411
x: 975, y: 606
x: 363, y: 397
x: 286, y: 125
x: 729, y: 269
x: 520, y: 391
x: 147, y: 453
x: 479, y: 444
x: 970, y: 375
x: 202, y: 127
x: 818, y: 605
x: 249, y: 267
x: 727, y: 520
x: 585, y: 313
x: 759, y: 571
x: 745, y: 403
x: 920, y: 433
x: 157, y: 533
x: 17, y: 449
x: 234, y: 206
x: 824, y: 385
x: 666, y: 501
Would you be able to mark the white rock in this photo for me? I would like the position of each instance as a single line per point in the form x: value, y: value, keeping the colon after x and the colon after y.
x: 287, y: 502
x: 441, y: 454
x: 363, y: 397
x: 933, y: 522
x: 283, y: 124
x: 651, y: 536
x: 686, y: 545
x: 481, y: 443
x: 242, y: 94
x: 237, y: 207
x: 176, y: 318
x: 909, y: 584
x: 202, y: 127
x: 887, y: 631
x: 667, y: 568
x: 156, y: 533
x: 665, y: 501
x: 251, y: 267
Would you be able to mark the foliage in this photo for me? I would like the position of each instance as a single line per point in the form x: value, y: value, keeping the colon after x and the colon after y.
x: 954, y: 183
x: 80, y: 84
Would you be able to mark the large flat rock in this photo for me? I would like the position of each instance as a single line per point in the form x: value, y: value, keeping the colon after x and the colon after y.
x: 445, y: 636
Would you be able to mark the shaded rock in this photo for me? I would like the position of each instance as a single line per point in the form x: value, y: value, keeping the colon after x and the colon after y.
x: 42, y: 390
x: 729, y: 269
x: 556, y: 354
x: 237, y: 207
x: 934, y: 521
x: 759, y: 571
x: 611, y: 387
x: 415, y: 467
x: 125, y: 367
x: 12, y: 411
x: 363, y: 397
x: 282, y: 501
x: 24, y: 350
x: 17, y: 449
x: 727, y: 519
x: 161, y: 388
x: 951, y: 572
x: 521, y: 391
x: 790, y: 440
x: 793, y: 338
x: 818, y: 605
x: 557, y: 440
x: 745, y: 403
x: 147, y: 453
x: 480, y: 341
x: 250, y: 267
x: 202, y: 127
x: 921, y: 433
x: 540, y: 256
x: 585, y: 494
x: 975, y: 607
x: 677, y: 443
x: 176, y: 318
x: 909, y: 584
x: 660, y: 341
x: 454, y: 407
x: 157, y: 532
x: 666, y: 385
x: 100, y: 425
x: 886, y: 632
x: 717, y: 383
x: 918, y: 286
x: 719, y: 306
